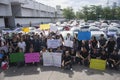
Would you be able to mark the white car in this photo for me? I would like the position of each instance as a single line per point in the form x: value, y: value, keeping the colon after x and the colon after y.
x: 97, y: 34
x: 75, y: 30
x: 6, y: 30
x: 18, y: 30
x: 112, y: 31
x: 94, y: 29
x: 60, y: 28
x: 84, y: 28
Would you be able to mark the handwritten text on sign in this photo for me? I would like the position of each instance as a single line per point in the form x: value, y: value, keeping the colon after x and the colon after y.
x: 32, y: 57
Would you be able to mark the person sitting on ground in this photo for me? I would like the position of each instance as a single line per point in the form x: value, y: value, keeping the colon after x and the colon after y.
x: 103, y: 55
x: 67, y: 61
x: 83, y: 57
x: 73, y: 55
x: 94, y: 54
x: 114, y: 60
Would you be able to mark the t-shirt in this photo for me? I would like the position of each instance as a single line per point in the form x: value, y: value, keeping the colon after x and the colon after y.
x: 103, y: 57
x: 85, y: 55
x: 22, y: 45
x: 102, y: 41
x: 114, y: 57
x: 94, y: 55
x: 15, y: 44
x: 67, y: 58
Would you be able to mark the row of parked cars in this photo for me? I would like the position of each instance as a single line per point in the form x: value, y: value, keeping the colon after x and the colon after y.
x: 112, y: 29
x: 73, y: 27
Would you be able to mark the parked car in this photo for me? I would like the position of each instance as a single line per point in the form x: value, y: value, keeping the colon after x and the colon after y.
x: 84, y: 28
x: 112, y: 31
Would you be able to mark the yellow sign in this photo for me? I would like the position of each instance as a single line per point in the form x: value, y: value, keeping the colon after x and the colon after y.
x: 45, y: 26
x: 98, y: 64
x: 26, y: 29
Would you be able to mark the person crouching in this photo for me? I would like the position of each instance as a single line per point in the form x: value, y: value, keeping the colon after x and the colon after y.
x: 67, y: 61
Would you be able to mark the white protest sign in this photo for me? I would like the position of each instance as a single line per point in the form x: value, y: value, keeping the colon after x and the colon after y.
x: 47, y: 59
x: 53, y: 29
x: 52, y: 59
x: 53, y: 43
x: 57, y: 59
x: 68, y: 43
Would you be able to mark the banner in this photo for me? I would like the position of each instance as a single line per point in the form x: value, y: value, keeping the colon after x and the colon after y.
x: 84, y: 35
x: 44, y: 26
x: 68, y: 43
x: 53, y: 29
x: 98, y: 64
x: 52, y: 59
x: 16, y: 57
x: 26, y: 29
x: 53, y: 43
x: 32, y: 57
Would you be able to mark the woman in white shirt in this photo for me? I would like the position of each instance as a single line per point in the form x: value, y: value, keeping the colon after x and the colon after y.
x: 22, y: 44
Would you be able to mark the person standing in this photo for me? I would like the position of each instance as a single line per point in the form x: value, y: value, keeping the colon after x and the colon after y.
x: 118, y: 42
x: 22, y: 44
x: 102, y: 42
x: 110, y: 45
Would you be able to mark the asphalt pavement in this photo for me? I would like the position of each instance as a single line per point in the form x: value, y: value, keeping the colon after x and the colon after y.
x: 54, y: 73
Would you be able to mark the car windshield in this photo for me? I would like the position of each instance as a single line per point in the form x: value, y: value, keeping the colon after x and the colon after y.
x: 7, y: 29
x: 113, y: 30
x: 85, y: 27
x: 94, y: 30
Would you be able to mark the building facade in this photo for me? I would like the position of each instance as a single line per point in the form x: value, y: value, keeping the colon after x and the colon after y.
x: 25, y: 12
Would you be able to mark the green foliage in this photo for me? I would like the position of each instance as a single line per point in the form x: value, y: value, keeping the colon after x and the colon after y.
x: 68, y: 13
x: 96, y: 12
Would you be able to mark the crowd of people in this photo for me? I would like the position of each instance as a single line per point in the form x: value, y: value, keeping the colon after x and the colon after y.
x: 81, y: 52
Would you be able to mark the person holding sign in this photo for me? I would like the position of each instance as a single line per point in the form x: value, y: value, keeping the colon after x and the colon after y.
x: 67, y: 61
x: 69, y: 37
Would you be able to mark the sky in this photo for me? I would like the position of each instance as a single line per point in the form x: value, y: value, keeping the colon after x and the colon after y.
x: 76, y: 4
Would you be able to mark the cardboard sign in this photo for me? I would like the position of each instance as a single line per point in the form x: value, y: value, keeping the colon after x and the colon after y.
x: 84, y: 35
x: 16, y: 57
x: 53, y: 29
x: 32, y: 57
x: 97, y: 64
x: 68, y: 43
x: 52, y: 59
x: 44, y: 26
x: 26, y: 29
x: 53, y: 43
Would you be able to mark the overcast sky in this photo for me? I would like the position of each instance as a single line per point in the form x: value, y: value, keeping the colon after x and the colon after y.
x: 76, y: 4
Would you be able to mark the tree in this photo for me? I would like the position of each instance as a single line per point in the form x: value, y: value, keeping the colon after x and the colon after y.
x: 80, y: 15
x: 68, y: 13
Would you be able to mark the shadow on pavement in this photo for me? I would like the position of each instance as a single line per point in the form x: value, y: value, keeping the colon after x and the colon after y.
x: 32, y: 70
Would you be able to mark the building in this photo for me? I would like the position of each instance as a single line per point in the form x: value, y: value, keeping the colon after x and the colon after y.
x: 25, y: 12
